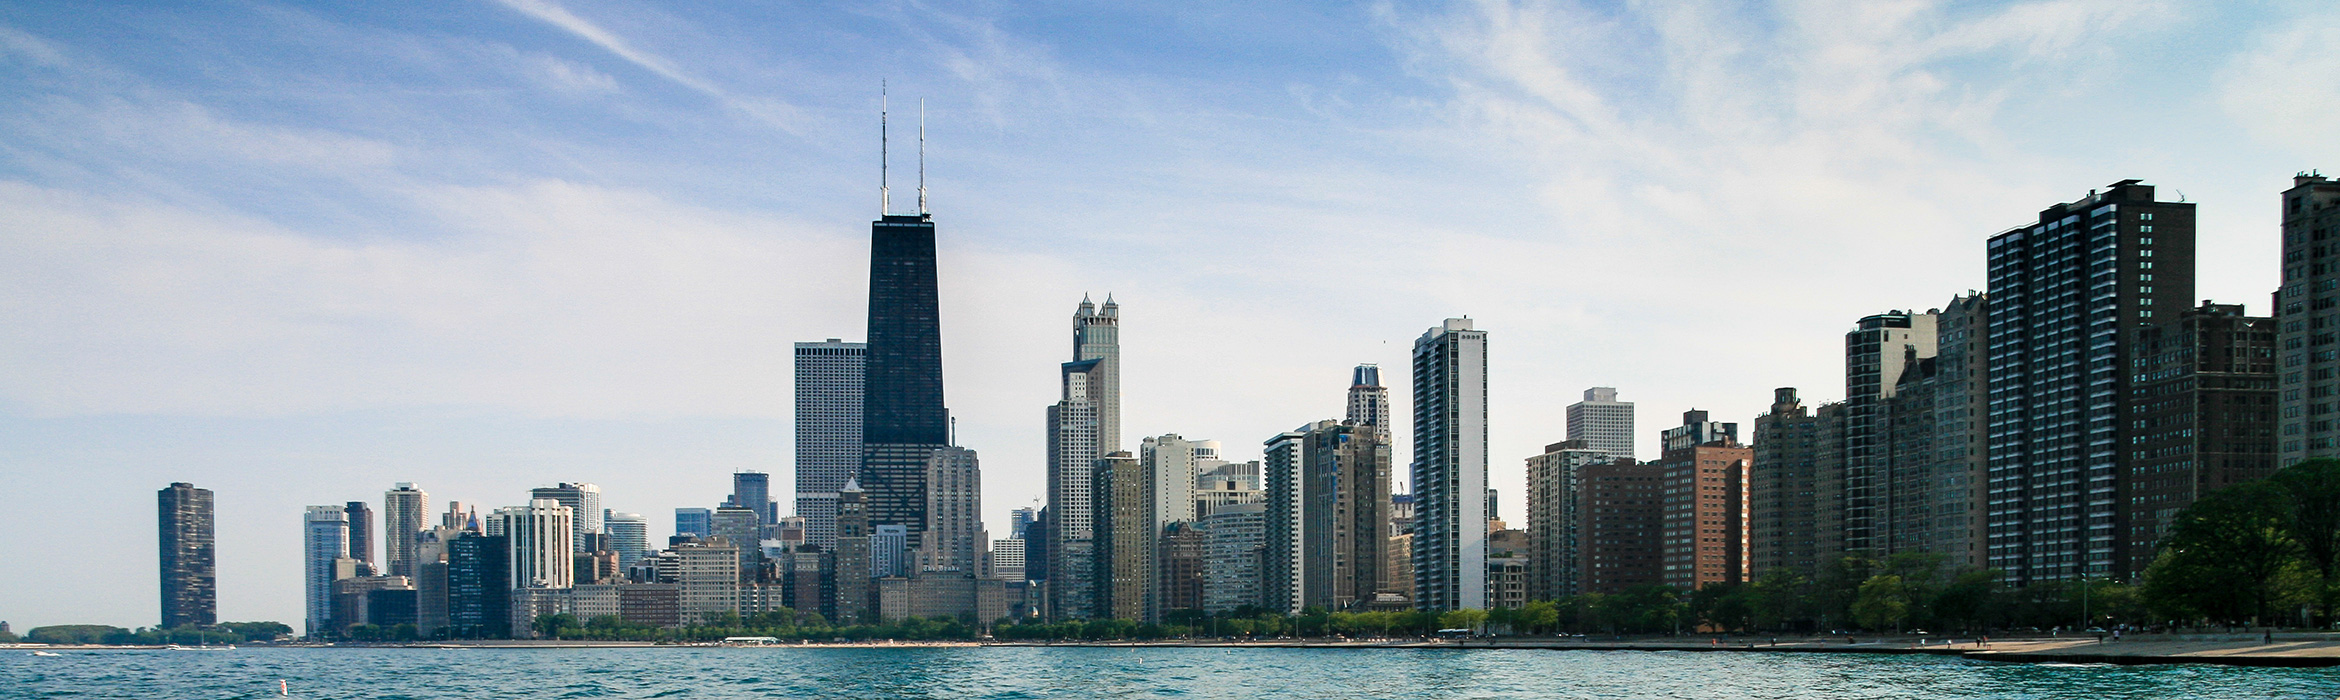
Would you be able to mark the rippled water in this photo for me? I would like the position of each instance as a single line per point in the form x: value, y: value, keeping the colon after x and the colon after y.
x: 1018, y: 672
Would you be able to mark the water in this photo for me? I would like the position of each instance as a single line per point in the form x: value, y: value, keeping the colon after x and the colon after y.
x: 1079, y: 673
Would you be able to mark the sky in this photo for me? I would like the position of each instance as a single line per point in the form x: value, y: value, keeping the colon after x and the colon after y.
x: 297, y: 252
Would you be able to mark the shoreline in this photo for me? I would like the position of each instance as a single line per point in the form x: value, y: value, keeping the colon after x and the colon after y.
x: 2288, y: 651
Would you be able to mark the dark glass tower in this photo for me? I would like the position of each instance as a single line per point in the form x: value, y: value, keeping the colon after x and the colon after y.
x: 190, y: 575
x: 361, y: 532
x: 903, y: 419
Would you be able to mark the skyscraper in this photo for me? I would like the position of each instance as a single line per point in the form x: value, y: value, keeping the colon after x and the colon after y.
x: 1554, y: 479
x: 629, y: 536
x: 1795, y: 506
x: 694, y: 521
x: 584, y: 504
x: 1450, y: 467
x: 753, y: 491
x: 1234, y: 556
x: 538, y: 535
x: 2205, y: 393
x: 954, y: 511
x: 741, y: 527
x: 405, y: 514
x: 1328, y: 522
x: 829, y: 377
x: 1170, y: 461
x: 1097, y: 336
x: 1877, y: 352
x: 903, y: 418
x: 1602, y: 422
x: 479, y: 585
x: 325, y: 538
x: 2311, y: 213
x: 1125, y: 537
x: 1934, y: 488
x: 851, y: 578
x: 2066, y: 297
x: 1623, y: 516
x: 361, y: 535
x: 190, y: 564
x: 1073, y: 451
x: 1705, y: 526
x: 1368, y: 399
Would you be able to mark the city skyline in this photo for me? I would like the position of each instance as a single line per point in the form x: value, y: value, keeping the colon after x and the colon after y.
x: 324, y: 433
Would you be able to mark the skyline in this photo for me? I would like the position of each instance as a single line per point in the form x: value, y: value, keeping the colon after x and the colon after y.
x: 580, y: 361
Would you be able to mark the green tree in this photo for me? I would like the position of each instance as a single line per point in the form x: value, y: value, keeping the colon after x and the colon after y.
x: 2226, y: 556
x: 73, y: 634
x: 1883, y: 603
x: 257, y: 631
x: 1465, y: 619
x: 2311, y: 492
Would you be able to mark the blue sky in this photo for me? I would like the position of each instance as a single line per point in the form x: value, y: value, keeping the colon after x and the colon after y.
x: 297, y: 252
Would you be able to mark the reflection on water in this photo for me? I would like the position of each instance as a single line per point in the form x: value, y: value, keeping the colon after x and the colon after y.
x: 1071, y: 672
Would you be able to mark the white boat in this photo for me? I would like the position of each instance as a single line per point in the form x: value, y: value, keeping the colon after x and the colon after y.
x: 46, y: 653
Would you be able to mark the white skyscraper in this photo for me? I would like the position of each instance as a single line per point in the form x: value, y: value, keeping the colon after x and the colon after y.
x: 829, y: 378
x: 1097, y: 336
x: 1082, y: 427
x: 1170, y: 459
x: 541, y: 544
x: 584, y: 503
x: 1450, y: 467
x: 1368, y: 399
x: 324, y: 538
x: 1602, y: 422
x: 406, y: 513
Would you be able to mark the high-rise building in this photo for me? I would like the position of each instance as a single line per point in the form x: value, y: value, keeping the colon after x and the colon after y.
x: 1705, y: 527
x: 829, y: 377
x: 2066, y: 297
x: 1073, y: 451
x: 1170, y: 461
x: 694, y: 521
x: 888, y: 551
x: 1877, y: 351
x: 1603, y: 422
x: 1623, y: 518
x: 1796, y: 452
x: 1124, y: 502
x: 2204, y: 392
x: 1553, y: 480
x: 629, y: 536
x: 1938, y: 448
x: 1178, y: 577
x: 903, y: 420
x: 954, y: 512
x: 540, y: 536
x: 1020, y: 519
x: 406, y: 511
x: 743, y: 528
x: 2311, y: 216
x: 325, y: 538
x: 1368, y: 399
x: 584, y: 504
x: 1328, y: 523
x: 433, y: 594
x: 1097, y: 336
x: 708, y: 574
x: 361, y: 536
x: 849, y: 582
x: 458, y: 517
x: 1234, y: 550
x: 753, y: 491
x: 189, y: 557
x: 479, y: 585
x: 1007, y: 559
x: 1450, y: 467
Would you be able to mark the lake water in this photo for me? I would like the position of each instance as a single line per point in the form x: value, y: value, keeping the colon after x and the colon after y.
x: 1022, y: 672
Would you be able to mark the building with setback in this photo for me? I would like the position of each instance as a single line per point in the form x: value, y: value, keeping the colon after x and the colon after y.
x: 1794, y: 487
x: 849, y: 580
x: 189, y: 556
x: 2310, y: 423
x: 1878, y: 350
x: 2066, y: 297
x: 829, y: 378
x: 753, y: 490
x: 1450, y: 467
x: 1553, y: 480
x: 1603, y: 422
x: 324, y: 539
x: 1328, y: 516
x: 1937, y: 445
x: 954, y: 517
x: 584, y: 504
x: 1705, y: 526
x: 1073, y: 450
x: 2202, y: 403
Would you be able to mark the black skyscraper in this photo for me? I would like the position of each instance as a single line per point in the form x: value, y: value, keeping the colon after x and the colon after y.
x: 361, y: 534
x: 189, y: 565
x: 903, y: 419
x: 479, y: 595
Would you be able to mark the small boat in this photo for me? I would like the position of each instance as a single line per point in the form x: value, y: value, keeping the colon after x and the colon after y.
x: 46, y: 653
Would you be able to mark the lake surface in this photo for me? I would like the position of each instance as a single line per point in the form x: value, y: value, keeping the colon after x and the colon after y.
x: 1068, y: 672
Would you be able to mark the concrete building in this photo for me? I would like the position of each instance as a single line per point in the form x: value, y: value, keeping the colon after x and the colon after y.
x: 1073, y: 451
x: 406, y: 512
x: 1125, y: 537
x: 2204, y: 392
x: 1623, y: 512
x: 1179, y: 573
x: 954, y: 512
x: 1878, y: 350
x: 1795, y: 500
x: 584, y: 504
x: 189, y: 556
x: 829, y: 377
x: 1602, y: 422
x: 1234, y: 550
x: 1328, y: 529
x: 1368, y: 400
x: 707, y: 577
x: 653, y: 604
x: 1938, y: 447
x: 2066, y: 297
x: 1450, y: 467
x: 432, y: 580
x: 1097, y: 336
x: 325, y: 538
x: 1705, y: 528
x: 851, y: 567
x: 1507, y: 581
x: 1554, y: 479
x: 1170, y: 461
x: 540, y: 537
x: 2310, y: 373
x: 1007, y: 560
x: 743, y: 528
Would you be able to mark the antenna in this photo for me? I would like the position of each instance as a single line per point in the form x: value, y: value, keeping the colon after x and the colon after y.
x: 885, y: 198
x: 922, y: 156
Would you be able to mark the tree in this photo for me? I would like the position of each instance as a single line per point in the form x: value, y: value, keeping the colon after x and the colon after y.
x: 1464, y: 619
x: 1883, y: 602
x: 2226, y: 557
x: 1539, y: 616
x: 2311, y: 492
x: 1966, y: 601
x: 258, y: 631
x: 1778, y: 598
x: 73, y: 634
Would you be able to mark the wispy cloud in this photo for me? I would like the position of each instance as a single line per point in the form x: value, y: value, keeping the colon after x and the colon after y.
x: 768, y: 110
